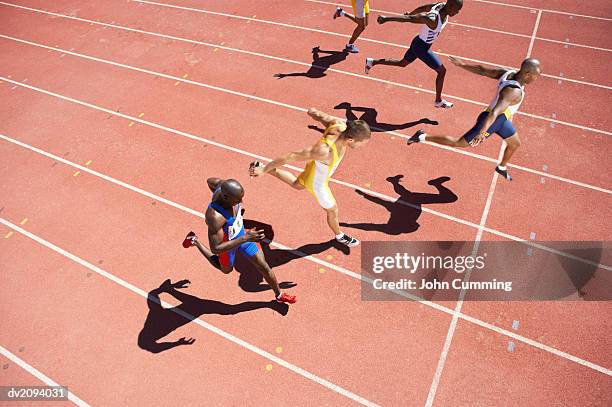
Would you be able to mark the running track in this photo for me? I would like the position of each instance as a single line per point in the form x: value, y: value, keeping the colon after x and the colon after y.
x: 113, y: 115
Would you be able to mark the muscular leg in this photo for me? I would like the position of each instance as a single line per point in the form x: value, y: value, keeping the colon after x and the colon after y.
x: 440, y: 82
x: 287, y: 177
x: 262, y: 266
x: 212, y: 258
x: 361, y: 25
x: 332, y: 219
x: 447, y: 140
x: 391, y: 62
x: 512, y: 144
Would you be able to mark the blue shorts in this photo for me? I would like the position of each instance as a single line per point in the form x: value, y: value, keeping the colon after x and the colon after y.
x: 501, y: 126
x: 248, y: 249
x: 420, y: 49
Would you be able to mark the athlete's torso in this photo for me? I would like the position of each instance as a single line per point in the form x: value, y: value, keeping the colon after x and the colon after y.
x: 234, y: 224
x: 503, y: 83
x: 427, y: 34
x: 336, y: 154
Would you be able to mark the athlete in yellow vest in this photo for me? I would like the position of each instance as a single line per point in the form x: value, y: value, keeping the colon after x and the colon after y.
x: 323, y: 159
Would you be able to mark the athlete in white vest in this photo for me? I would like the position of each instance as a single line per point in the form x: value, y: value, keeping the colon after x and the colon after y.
x: 434, y: 18
x: 497, y: 117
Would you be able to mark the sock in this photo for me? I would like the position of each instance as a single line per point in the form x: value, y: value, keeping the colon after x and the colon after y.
x: 501, y: 168
x: 340, y: 235
x: 279, y: 296
x: 422, y: 137
x: 342, y: 13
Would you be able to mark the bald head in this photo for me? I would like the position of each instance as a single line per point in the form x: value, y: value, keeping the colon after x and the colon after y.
x: 453, y: 7
x: 530, y: 69
x: 231, y: 191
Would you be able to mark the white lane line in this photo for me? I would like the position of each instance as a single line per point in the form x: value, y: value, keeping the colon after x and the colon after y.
x: 367, y: 77
x: 533, y: 35
x: 453, y: 325
x: 175, y: 78
x: 402, y: 46
x: 304, y: 373
x: 325, y: 263
x: 545, y: 10
x: 259, y: 157
x: 38, y: 374
x: 475, y: 27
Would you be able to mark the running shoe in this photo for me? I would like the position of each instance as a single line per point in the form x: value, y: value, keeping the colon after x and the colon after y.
x: 369, y: 64
x: 348, y: 240
x: 351, y: 48
x: 286, y: 298
x: 338, y: 13
x: 503, y: 173
x: 415, y: 137
x: 190, y: 240
x: 444, y: 104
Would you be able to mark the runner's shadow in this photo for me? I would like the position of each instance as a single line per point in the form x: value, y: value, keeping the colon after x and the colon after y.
x: 406, y: 210
x: 319, y: 64
x: 250, y: 279
x: 370, y: 116
x: 163, y: 321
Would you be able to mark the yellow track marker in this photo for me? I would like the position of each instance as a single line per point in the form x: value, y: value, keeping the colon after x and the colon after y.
x: 87, y: 163
x: 392, y: 137
x: 216, y: 49
x: 76, y: 173
x: 321, y: 271
x: 269, y: 367
x: 367, y: 185
x: 23, y: 221
x: 329, y: 257
x: 185, y: 76
x: 279, y: 349
x: 9, y: 234
x: 176, y: 83
x: 140, y: 115
x: 131, y: 124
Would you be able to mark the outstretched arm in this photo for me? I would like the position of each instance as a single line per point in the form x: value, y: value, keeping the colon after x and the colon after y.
x: 428, y: 19
x: 323, y: 118
x: 319, y: 151
x: 507, y: 97
x: 478, y: 69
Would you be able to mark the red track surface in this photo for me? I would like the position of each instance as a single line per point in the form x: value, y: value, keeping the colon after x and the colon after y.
x: 80, y: 328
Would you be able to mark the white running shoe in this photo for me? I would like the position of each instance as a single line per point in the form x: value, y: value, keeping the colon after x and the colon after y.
x: 444, y: 104
x: 351, y: 48
x: 348, y: 240
x: 339, y: 12
x: 369, y: 64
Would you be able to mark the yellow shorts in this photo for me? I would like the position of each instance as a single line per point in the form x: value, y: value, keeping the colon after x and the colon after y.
x: 361, y: 8
x: 317, y: 183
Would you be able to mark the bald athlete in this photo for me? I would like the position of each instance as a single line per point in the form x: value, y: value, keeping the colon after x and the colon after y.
x: 497, y: 118
x: 226, y: 235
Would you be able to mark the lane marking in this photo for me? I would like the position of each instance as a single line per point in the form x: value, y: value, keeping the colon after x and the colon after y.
x: 566, y: 42
x: 303, y: 28
x: 38, y: 374
x: 458, y: 151
x: 332, y: 266
x: 453, y: 325
x: 304, y: 373
x: 404, y: 46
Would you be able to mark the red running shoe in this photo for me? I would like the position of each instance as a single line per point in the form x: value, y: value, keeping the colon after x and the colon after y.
x: 284, y: 297
x: 190, y: 240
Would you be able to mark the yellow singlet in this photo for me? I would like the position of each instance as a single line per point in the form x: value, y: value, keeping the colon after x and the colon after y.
x: 315, y: 177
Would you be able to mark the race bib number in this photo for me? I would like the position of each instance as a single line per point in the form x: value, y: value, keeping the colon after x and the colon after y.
x: 235, y: 229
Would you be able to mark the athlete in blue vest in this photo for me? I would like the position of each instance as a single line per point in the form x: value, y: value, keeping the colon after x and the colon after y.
x: 433, y: 18
x: 226, y: 234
